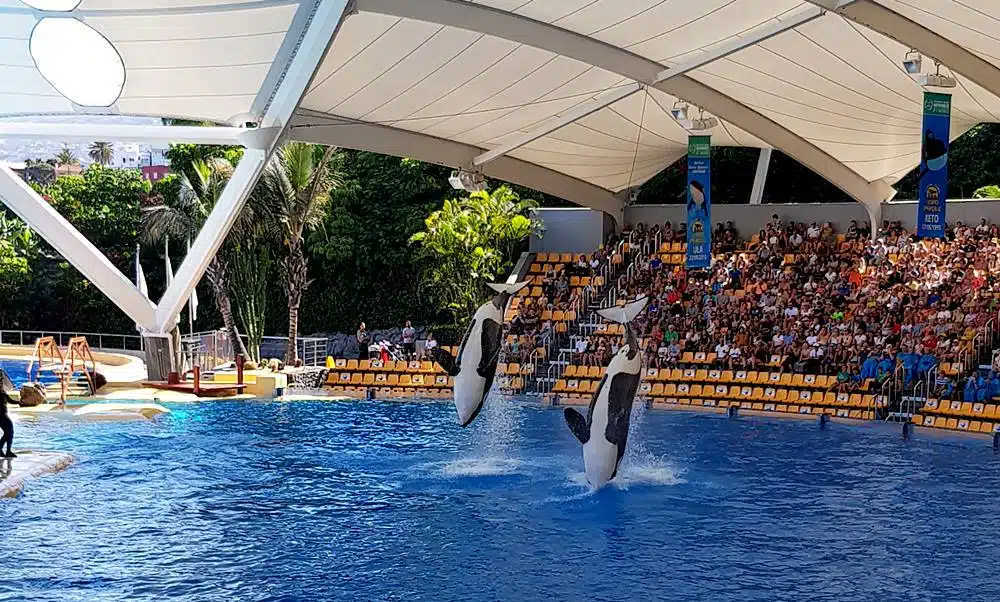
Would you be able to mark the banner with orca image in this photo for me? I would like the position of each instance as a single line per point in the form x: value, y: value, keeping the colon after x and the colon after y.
x: 699, y: 202
x: 934, y: 165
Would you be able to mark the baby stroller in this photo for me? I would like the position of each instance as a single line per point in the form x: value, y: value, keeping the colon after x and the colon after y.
x: 385, y: 351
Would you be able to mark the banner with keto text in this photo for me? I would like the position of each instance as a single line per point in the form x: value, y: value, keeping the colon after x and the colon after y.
x: 699, y: 202
x: 934, y: 165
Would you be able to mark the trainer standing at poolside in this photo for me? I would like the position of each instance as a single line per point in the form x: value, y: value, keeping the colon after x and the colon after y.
x: 409, y: 341
x: 6, y: 424
x: 363, y: 341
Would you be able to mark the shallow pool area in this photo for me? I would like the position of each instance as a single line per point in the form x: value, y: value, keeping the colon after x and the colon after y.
x: 264, y: 501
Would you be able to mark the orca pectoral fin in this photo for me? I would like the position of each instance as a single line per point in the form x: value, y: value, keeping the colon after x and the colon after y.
x: 577, y: 425
x: 447, y: 361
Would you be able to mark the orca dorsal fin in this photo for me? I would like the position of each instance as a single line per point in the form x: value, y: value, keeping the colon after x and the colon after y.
x: 577, y: 425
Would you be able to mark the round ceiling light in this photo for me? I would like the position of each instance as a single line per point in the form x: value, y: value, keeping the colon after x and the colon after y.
x: 53, y: 5
x: 93, y: 75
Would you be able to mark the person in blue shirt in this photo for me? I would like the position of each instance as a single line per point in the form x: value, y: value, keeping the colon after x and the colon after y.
x: 869, y: 368
x: 885, y: 367
x: 969, y: 394
x: 982, y: 390
x: 909, y: 367
x: 994, y: 385
x: 926, y: 362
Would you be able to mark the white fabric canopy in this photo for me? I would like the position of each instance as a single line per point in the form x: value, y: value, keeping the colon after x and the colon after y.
x: 447, y: 80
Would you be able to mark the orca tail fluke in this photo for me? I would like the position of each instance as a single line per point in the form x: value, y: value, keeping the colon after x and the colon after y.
x: 577, y: 425
x: 509, y: 288
x: 625, y: 313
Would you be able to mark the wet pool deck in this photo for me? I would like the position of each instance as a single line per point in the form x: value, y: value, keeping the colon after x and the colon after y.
x: 29, y: 465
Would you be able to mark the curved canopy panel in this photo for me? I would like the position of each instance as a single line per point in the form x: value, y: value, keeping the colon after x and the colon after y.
x: 191, y: 59
x: 573, y: 97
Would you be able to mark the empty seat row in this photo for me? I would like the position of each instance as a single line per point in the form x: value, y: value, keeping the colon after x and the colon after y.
x: 962, y: 408
x: 353, y: 365
x: 956, y: 424
x: 389, y: 379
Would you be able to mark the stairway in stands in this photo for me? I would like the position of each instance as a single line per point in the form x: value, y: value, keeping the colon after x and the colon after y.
x: 624, y: 259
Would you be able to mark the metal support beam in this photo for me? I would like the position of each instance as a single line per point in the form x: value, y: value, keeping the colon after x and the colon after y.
x: 317, y: 38
x: 518, y: 28
x: 736, y: 44
x: 86, y: 132
x: 605, y: 99
x: 74, y: 247
x: 760, y: 178
x: 323, y: 128
x: 904, y: 30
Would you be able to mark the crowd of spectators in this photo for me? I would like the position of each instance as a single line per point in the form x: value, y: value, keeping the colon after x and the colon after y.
x: 532, y: 327
x: 847, y: 306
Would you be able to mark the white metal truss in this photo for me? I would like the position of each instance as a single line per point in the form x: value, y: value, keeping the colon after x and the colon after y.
x: 86, y: 132
x: 518, y: 28
x: 74, y: 247
x: 910, y: 33
x: 317, y: 38
x: 760, y: 177
x: 314, y: 38
x: 323, y: 128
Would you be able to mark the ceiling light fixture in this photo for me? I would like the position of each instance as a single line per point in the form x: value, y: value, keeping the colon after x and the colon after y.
x: 95, y: 77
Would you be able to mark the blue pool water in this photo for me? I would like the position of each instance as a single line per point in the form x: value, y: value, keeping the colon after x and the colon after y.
x: 379, y: 501
x: 17, y: 372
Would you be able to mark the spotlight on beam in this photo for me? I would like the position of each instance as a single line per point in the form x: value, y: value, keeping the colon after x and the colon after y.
x: 467, y: 180
x: 912, y: 62
x: 680, y: 111
x: 936, y: 79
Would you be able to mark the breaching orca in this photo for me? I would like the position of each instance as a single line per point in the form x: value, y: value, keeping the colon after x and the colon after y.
x: 604, y: 432
x: 476, y: 364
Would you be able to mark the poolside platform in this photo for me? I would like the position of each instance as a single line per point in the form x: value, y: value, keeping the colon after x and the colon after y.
x: 28, y: 465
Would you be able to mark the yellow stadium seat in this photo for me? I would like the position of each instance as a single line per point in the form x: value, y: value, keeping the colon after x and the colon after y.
x: 594, y: 372
x: 658, y: 390
x: 687, y: 357
x: 701, y: 375
x: 696, y: 391
x: 393, y: 380
x: 369, y: 378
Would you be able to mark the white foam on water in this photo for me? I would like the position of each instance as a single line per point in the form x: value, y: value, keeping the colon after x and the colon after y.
x: 480, y: 467
x: 639, y: 467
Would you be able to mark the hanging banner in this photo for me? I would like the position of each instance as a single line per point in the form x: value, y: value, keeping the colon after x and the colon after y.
x: 699, y: 202
x: 934, y: 165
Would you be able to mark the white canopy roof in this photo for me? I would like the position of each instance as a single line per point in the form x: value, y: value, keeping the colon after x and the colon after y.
x: 447, y: 80
x: 570, y: 97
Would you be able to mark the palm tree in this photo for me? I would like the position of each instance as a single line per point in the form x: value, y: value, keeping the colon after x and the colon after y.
x: 102, y: 152
x: 294, y: 192
x: 66, y: 157
x: 185, y: 218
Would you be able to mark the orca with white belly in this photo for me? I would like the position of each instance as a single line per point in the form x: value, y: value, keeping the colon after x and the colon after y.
x: 476, y: 364
x: 604, y: 432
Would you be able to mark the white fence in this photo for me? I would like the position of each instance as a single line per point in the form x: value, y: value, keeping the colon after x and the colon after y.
x: 216, y: 344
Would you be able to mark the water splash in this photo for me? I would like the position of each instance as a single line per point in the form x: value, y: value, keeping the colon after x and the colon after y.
x: 639, y: 465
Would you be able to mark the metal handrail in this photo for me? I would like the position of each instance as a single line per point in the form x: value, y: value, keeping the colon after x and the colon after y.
x: 97, y: 340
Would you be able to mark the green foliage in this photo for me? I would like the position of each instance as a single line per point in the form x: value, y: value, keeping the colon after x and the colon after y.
x: 252, y: 263
x: 103, y: 204
x: 66, y: 157
x: 18, y: 247
x: 470, y: 242
x: 101, y: 152
x: 362, y: 265
x: 987, y: 192
x: 183, y: 156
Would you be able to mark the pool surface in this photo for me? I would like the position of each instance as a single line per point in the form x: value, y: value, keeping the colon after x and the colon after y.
x: 314, y: 501
x: 17, y: 372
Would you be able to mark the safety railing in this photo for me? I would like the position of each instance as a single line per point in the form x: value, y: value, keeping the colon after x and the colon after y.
x: 216, y: 344
x: 96, y: 340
